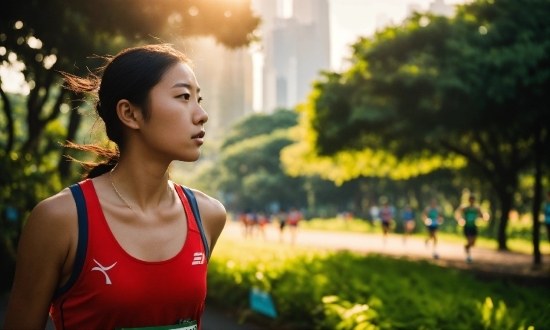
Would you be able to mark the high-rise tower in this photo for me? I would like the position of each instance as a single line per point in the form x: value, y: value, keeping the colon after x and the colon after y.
x: 295, y: 47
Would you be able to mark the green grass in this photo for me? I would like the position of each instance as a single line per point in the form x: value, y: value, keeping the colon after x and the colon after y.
x: 314, y: 289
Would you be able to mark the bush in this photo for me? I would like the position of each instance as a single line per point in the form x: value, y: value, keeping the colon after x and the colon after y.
x: 320, y: 290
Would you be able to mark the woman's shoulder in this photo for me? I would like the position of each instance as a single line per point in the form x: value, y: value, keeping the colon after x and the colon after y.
x: 208, y: 205
x: 213, y: 216
x: 57, y: 208
x: 52, y: 225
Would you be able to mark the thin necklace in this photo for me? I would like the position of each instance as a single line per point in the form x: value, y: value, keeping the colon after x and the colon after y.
x: 118, y: 193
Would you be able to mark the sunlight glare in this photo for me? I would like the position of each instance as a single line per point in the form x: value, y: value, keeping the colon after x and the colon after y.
x: 424, y: 21
x: 193, y: 11
x: 49, y: 61
x: 34, y: 42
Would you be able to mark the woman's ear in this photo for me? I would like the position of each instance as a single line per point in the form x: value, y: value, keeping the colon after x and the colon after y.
x: 129, y: 114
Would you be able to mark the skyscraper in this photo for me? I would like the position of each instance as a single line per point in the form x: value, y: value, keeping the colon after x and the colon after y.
x: 295, y: 47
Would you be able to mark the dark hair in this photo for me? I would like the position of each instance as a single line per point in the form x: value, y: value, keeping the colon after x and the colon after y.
x: 130, y: 75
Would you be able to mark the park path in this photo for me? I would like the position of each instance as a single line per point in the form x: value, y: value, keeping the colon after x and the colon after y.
x: 450, y: 253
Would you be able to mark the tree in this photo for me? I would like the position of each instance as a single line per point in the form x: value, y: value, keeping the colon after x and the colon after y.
x: 55, y: 35
x: 472, y: 86
x: 248, y: 170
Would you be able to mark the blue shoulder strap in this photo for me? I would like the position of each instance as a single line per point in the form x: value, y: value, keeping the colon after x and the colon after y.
x: 82, y: 244
x: 195, y: 208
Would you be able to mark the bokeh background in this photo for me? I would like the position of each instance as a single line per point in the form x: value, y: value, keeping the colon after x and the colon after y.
x: 332, y: 107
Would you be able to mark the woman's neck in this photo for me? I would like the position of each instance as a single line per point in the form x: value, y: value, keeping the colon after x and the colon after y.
x: 142, y: 183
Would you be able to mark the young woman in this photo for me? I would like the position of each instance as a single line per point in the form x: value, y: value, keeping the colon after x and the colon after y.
x: 467, y: 216
x: 433, y: 218
x: 386, y: 215
x: 408, y: 222
x: 125, y: 248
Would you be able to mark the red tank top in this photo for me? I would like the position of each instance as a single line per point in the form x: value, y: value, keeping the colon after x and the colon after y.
x: 115, y: 290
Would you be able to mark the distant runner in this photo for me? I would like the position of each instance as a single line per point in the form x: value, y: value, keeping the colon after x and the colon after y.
x: 293, y: 218
x: 433, y: 217
x: 547, y: 214
x: 386, y: 215
x: 467, y: 217
x: 408, y: 221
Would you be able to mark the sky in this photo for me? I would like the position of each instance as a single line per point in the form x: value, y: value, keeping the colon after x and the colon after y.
x: 353, y: 18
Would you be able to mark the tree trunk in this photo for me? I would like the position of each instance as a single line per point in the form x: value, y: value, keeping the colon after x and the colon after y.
x: 9, y: 117
x: 310, y: 198
x: 506, y: 198
x: 493, y: 209
x: 35, y: 108
x: 537, y: 200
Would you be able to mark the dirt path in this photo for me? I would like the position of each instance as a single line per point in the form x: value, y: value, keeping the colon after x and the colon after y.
x: 450, y: 254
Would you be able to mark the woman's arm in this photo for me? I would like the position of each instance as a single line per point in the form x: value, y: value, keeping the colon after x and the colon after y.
x: 42, y: 253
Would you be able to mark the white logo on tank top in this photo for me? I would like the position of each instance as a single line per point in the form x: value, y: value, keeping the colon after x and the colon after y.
x: 198, y: 258
x: 104, y: 271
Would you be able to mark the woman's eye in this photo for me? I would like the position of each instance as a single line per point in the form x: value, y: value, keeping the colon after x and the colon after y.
x: 200, y: 99
x: 186, y: 96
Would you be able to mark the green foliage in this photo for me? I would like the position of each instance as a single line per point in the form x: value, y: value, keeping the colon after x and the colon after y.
x: 260, y: 124
x: 249, y: 171
x: 319, y: 290
x: 23, y: 186
x: 438, y: 93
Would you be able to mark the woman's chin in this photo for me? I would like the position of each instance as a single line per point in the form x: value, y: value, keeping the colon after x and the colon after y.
x: 190, y: 158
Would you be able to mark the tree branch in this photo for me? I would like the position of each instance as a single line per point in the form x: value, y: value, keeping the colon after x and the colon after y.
x: 56, y: 108
x: 471, y: 157
x: 47, y: 85
x: 8, y: 112
x: 492, y: 156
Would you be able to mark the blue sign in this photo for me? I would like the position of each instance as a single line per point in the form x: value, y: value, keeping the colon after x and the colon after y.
x: 261, y: 302
x: 11, y: 213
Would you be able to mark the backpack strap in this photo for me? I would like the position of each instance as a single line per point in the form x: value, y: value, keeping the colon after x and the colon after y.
x: 195, y: 208
x: 82, y: 245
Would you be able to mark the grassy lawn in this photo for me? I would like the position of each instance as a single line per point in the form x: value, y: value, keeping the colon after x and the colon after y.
x: 313, y: 289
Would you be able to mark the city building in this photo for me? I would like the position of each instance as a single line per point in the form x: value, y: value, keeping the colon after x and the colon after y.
x: 295, y: 47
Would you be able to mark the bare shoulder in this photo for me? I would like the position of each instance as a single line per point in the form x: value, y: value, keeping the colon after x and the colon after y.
x: 58, y: 213
x: 213, y: 216
x: 210, y: 208
x: 52, y: 224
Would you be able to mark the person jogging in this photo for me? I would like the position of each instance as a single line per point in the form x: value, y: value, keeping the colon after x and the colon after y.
x: 467, y: 216
x: 386, y: 217
x: 433, y: 218
x: 408, y: 222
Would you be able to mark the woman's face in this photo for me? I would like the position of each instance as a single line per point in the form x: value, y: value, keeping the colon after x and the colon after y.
x: 175, y: 128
